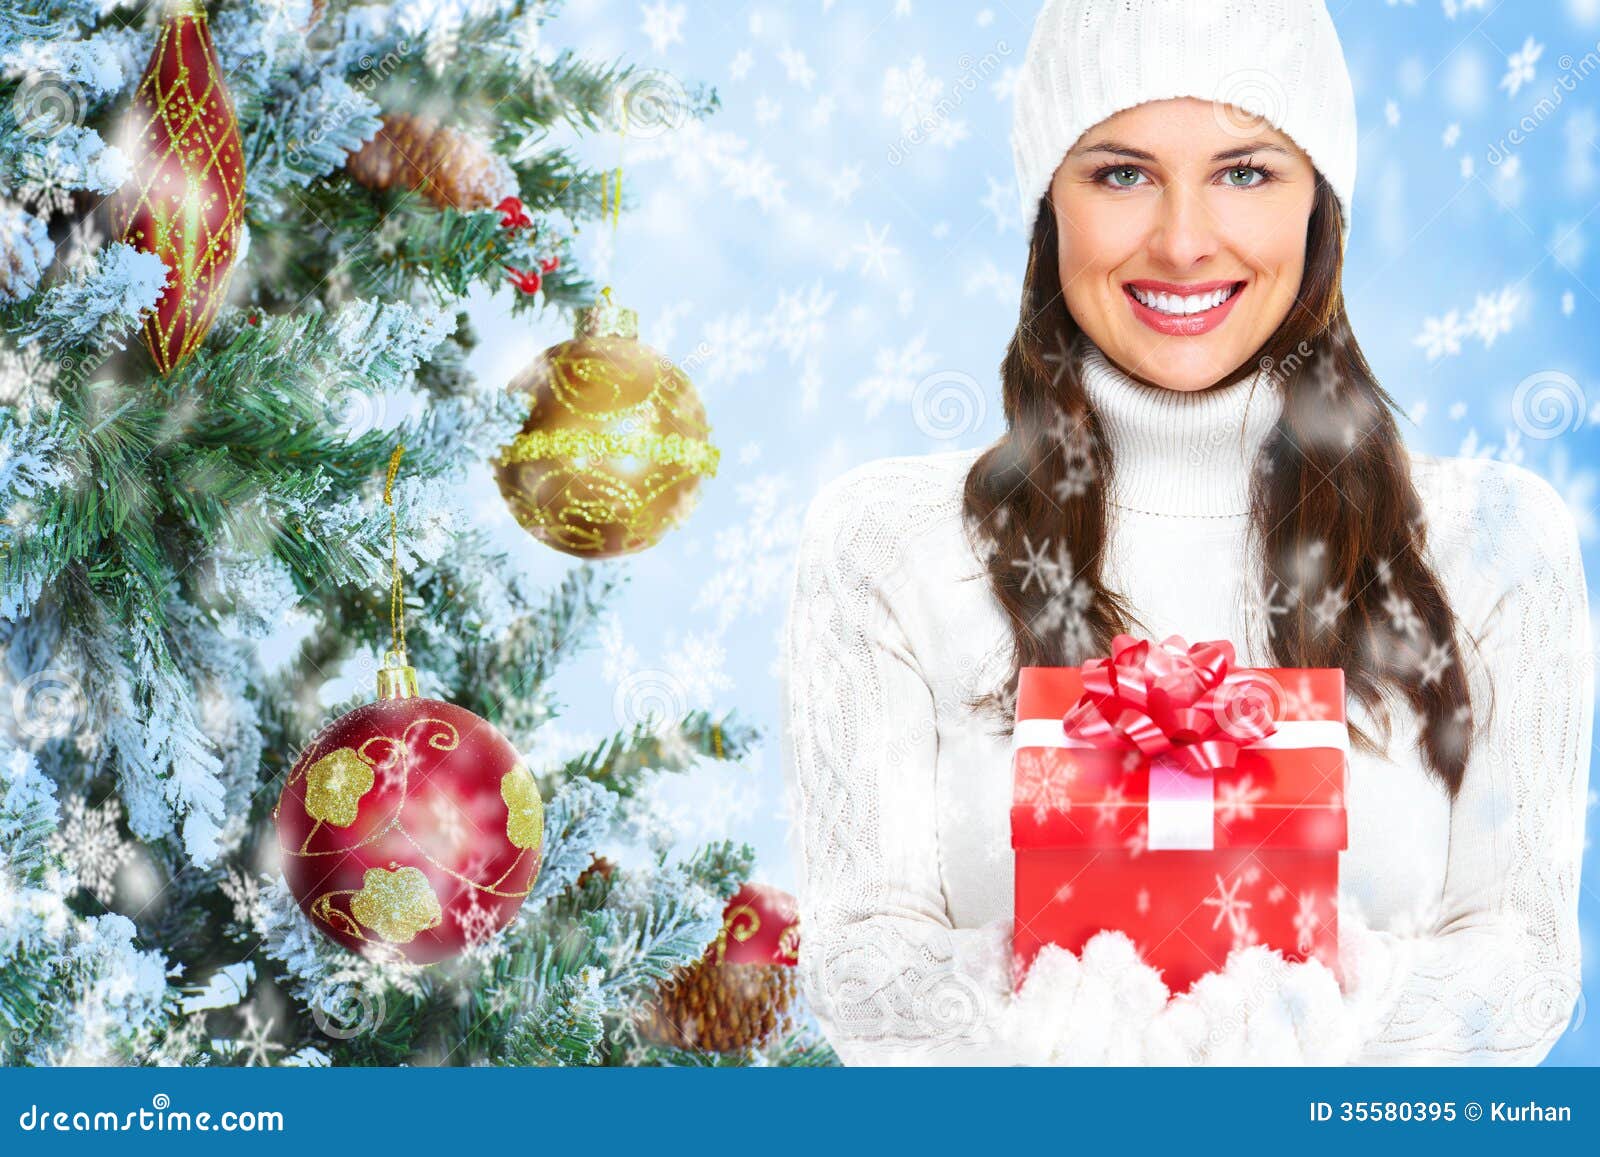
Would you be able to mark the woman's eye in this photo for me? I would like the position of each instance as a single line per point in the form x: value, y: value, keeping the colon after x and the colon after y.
x: 1125, y: 177
x: 1243, y: 177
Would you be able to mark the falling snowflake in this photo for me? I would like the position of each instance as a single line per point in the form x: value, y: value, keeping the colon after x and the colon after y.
x: 1038, y: 567
x: 477, y: 923
x: 1327, y: 610
x: 89, y: 840
x: 1520, y: 66
x: 875, y: 252
x: 1441, y: 336
x: 1435, y: 663
x: 1493, y: 314
x: 1077, y: 457
x: 663, y: 24
x: 911, y: 95
x: 1403, y: 616
x: 254, y: 1042
x: 897, y: 374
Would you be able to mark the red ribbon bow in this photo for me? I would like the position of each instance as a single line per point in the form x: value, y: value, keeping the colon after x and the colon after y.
x: 1172, y: 700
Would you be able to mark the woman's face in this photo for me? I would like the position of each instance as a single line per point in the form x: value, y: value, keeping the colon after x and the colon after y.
x: 1182, y: 236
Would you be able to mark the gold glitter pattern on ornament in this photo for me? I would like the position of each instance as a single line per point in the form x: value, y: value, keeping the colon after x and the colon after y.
x: 593, y: 445
x: 396, y: 905
x: 741, y: 924
x: 524, y: 808
x: 789, y: 943
x: 335, y: 785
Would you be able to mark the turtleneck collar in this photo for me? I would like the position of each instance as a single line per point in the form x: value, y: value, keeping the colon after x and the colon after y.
x: 1179, y: 452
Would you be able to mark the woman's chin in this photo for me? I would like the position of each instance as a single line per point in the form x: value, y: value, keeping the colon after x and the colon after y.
x: 1196, y: 366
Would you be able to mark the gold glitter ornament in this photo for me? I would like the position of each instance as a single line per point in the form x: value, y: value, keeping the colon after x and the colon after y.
x: 616, y: 442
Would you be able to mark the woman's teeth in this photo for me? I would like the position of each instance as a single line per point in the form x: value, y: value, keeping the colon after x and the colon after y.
x: 1183, y: 306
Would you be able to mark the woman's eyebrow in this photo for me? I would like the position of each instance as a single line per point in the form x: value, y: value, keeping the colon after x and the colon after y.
x: 1229, y: 154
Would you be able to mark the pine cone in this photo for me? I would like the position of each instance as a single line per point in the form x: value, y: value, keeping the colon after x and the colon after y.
x: 451, y: 168
x: 721, y: 1008
x: 598, y: 866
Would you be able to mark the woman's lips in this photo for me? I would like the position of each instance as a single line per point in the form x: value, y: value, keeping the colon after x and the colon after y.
x: 1188, y: 324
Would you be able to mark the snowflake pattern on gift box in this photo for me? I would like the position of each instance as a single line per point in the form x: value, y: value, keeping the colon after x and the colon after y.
x: 1110, y: 803
x: 1044, y: 781
x: 1142, y: 902
x: 1306, y: 921
x: 1236, y: 801
x: 1230, y: 906
x: 1136, y: 843
x: 1300, y: 702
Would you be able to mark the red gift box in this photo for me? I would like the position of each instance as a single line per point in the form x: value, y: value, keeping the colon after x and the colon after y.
x: 1194, y: 805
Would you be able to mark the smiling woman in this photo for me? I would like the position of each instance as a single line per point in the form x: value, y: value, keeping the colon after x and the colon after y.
x: 1195, y: 445
x: 1169, y: 226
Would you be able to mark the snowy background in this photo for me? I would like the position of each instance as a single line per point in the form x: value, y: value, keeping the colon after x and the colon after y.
x: 835, y: 257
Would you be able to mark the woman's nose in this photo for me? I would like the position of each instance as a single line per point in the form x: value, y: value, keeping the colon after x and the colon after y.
x: 1185, y: 229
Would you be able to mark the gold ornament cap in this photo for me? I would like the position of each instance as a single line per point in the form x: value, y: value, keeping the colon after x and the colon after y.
x: 605, y: 318
x: 397, y: 679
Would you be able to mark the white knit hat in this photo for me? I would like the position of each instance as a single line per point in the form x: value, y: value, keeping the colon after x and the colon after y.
x: 1088, y: 59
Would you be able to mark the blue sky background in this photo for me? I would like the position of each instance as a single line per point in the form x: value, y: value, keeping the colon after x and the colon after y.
x: 825, y: 268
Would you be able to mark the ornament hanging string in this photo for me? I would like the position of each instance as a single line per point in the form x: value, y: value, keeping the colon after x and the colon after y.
x: 615, y: 199
x: 397, y: 606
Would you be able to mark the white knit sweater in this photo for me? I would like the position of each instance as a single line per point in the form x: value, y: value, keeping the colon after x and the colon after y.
x: 1467, y: 915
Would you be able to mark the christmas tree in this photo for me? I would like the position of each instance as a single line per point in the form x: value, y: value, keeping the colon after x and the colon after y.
x: 193, y: 451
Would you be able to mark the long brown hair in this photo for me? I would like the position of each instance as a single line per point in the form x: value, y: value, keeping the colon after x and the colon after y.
x: 1333, y: 509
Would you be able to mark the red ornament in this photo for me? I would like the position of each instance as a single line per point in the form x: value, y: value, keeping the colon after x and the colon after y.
x: 514, y: 216
x: 549, y: 264
x: 184, y: 201
x: 409, y: 827
x: 526, y: 280
x: 760, y: 925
